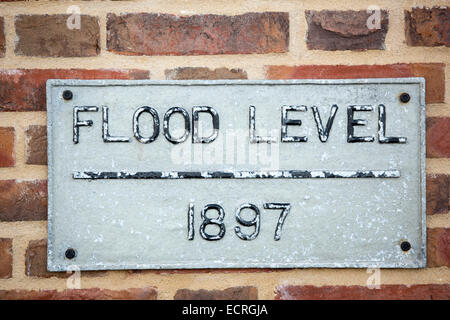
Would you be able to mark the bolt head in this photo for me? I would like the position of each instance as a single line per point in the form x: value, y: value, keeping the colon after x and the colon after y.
x: 405, y: 246
x: 405, y: 97
x: 70, y: 253
x: 67, y: 95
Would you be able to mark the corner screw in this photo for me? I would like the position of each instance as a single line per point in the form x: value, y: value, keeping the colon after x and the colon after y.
x: 405, y: 97
x: 70, y: 253
x: 405, y: 246
x: 67, y: 95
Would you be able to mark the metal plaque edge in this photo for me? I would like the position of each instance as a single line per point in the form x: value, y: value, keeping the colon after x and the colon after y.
x: 419, y: 263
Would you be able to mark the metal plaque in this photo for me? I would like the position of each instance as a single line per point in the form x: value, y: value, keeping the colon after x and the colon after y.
x: 236, y: 174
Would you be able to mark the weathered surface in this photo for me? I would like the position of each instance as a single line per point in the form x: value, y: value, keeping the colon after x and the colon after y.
x: 6, y: 258
x: 23, y: 200
x: 36, y: 145
x: 438, y: 247
x: 438, y: 193
x: 24, y: 89
x: 428, y: 27
x: 345, y: 30
x: 438, y: 137
x: 188, y: 73
x: 50, y: 36
x: 95, y: 161
x: 235, y: 293
x: 2, y: 37
x: 434, y: 74
x: 36, y: 262
x: 386, y: 292
x: 165, y: 34
x: 147, y: 293
x: 7, y: 139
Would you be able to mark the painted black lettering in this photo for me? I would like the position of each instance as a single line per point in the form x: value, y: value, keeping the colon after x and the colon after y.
x: 324, y: 133
x: 166, y: 126
x: 382, y: 128
x: 106, y: 136
x: 285, y: 121
x: 351, y: 123
x: 77, y: 123
x: 252, y: 129
x: 195, y: 129
x: 136, y: 126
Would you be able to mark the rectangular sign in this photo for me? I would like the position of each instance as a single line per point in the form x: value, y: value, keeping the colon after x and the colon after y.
x: 236, y: 174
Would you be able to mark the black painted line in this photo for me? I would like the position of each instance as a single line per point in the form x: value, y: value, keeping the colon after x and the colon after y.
x: 277, y: 174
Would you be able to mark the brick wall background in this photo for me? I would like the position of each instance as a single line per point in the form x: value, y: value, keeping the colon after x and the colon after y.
x: 214, y: 39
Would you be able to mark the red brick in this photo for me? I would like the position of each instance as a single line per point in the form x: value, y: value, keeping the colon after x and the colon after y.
x: 7, y: 138
x: 345, y: 30
x: 36, y: 262
x: 36, y: 145
x: 386, y: 292
x: 166, y: 34
x: 428, y: 27
x: 438, y: 137
x: 24, y: 89
x: 23, y: 200
x: 147, y: 293
x: 49, y: 36
x: 438, y: 247
x: 438, y: 193
x: 434, y: 74
x: 234, y: 293
x: 6, y: 258
x: 2, y: 38
x: 188, y: 73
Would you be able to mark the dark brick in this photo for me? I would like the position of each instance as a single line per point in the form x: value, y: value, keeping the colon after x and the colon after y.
x: 188, y: 73
x: 434, y: 74
x: 147, y: 293
x: 36, y: 145
x: 49, y: 36
x: 438, y: 193
x: 7, y: 138
x: 36, y: 260
x: 344, y: 30
x: 386, y: 292
x: 234, y: 293
x: 428, y: 27
x: 438, y: 137
x: 438, y: 247
x: 6, y: 258
x: 24, y: 89
x: 23, y: 200
x: 2, y: 38
x: 166, y: 34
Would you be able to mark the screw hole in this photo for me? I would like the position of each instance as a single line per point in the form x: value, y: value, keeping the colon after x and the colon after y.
x: 67, y: 95
x: 70, y: 253
x: 405, y: 246
x: 405, y: 97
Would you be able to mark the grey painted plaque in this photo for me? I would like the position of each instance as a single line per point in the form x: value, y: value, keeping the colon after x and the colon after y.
x: 236, y: 174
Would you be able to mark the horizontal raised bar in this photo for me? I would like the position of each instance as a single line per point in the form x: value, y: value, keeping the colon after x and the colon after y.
x: 277, y: 174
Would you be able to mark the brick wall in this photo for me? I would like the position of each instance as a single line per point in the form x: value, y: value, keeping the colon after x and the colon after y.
x: 278, y: 39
